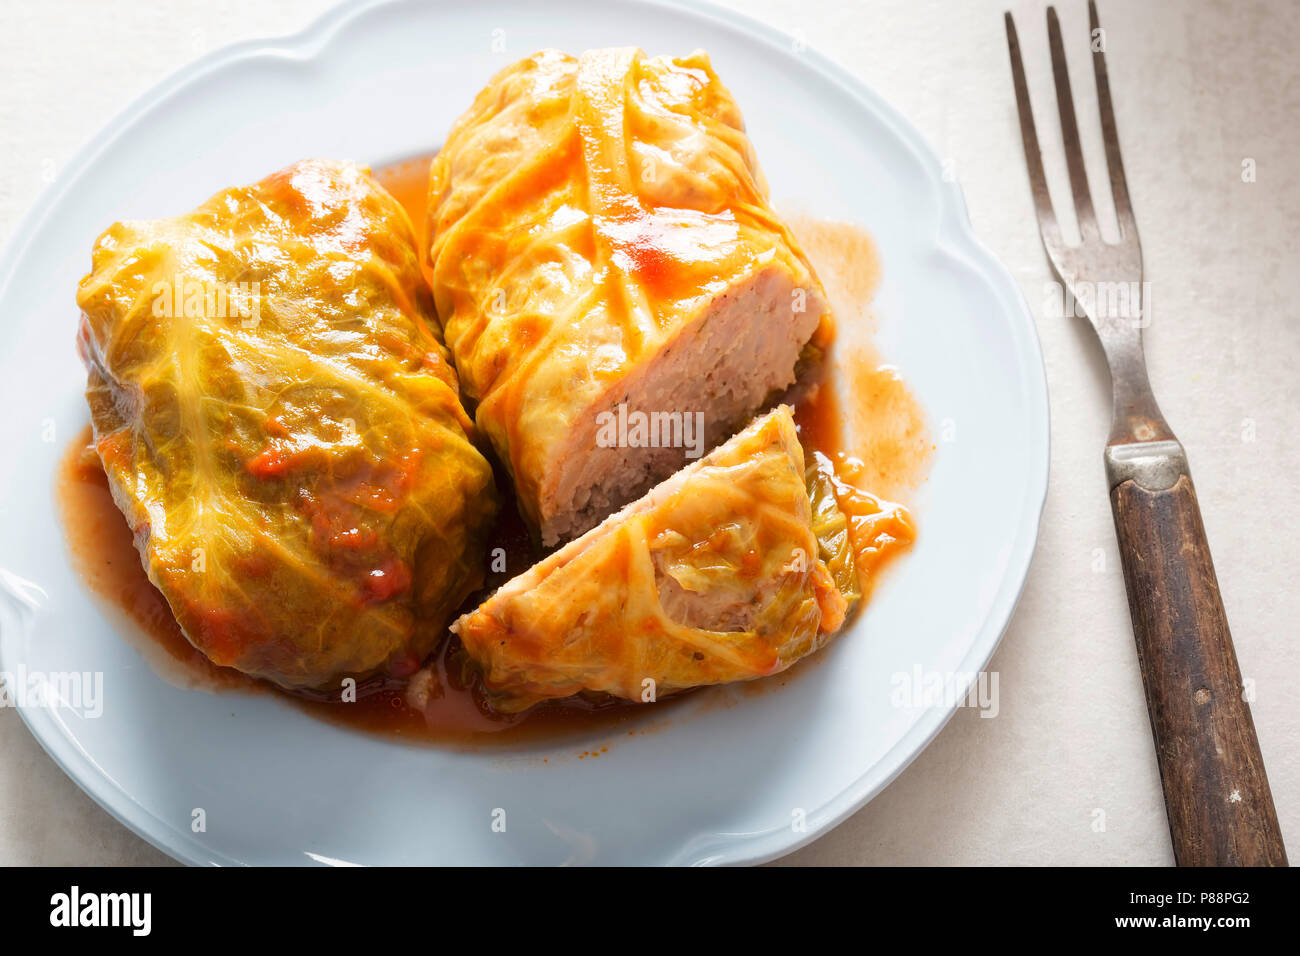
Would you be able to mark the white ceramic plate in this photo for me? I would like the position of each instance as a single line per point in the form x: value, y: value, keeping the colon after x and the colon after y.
x: 377, y: 81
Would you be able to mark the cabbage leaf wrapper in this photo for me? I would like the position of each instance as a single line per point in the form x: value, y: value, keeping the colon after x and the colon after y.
x: 714, y: 576
x: 602, y: 241
x: 831, y: 528
x: 282, y: 429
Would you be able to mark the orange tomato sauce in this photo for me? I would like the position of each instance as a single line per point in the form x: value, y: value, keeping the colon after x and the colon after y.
x: 407, y: 180
x: 455, y: 711
x: 884, y: 452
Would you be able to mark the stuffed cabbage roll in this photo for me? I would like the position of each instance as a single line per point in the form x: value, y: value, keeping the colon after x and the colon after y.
x: 281, y: 427
x: 716, y: 575
x: 616, y: 290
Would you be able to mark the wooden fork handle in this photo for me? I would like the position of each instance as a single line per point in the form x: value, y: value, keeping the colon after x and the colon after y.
x: 1216, y: 791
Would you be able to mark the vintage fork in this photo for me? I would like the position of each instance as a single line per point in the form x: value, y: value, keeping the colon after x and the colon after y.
x: 1216, y: 791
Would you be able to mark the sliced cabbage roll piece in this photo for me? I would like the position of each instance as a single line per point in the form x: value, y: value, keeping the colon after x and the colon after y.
x: 281, y: 427
x: 602, y: 244
x: 714, y: 576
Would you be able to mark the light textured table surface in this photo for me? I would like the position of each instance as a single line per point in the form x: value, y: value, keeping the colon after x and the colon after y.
x: 1200, y: 88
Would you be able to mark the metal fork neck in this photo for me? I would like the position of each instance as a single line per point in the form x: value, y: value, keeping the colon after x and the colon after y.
x: 1142, y: 447
x: 1135, y: 416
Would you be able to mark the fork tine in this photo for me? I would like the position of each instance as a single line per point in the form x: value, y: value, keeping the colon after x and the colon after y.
x: 1070, y: 132
x: 1033, y: 154
x: 1118, y: 184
